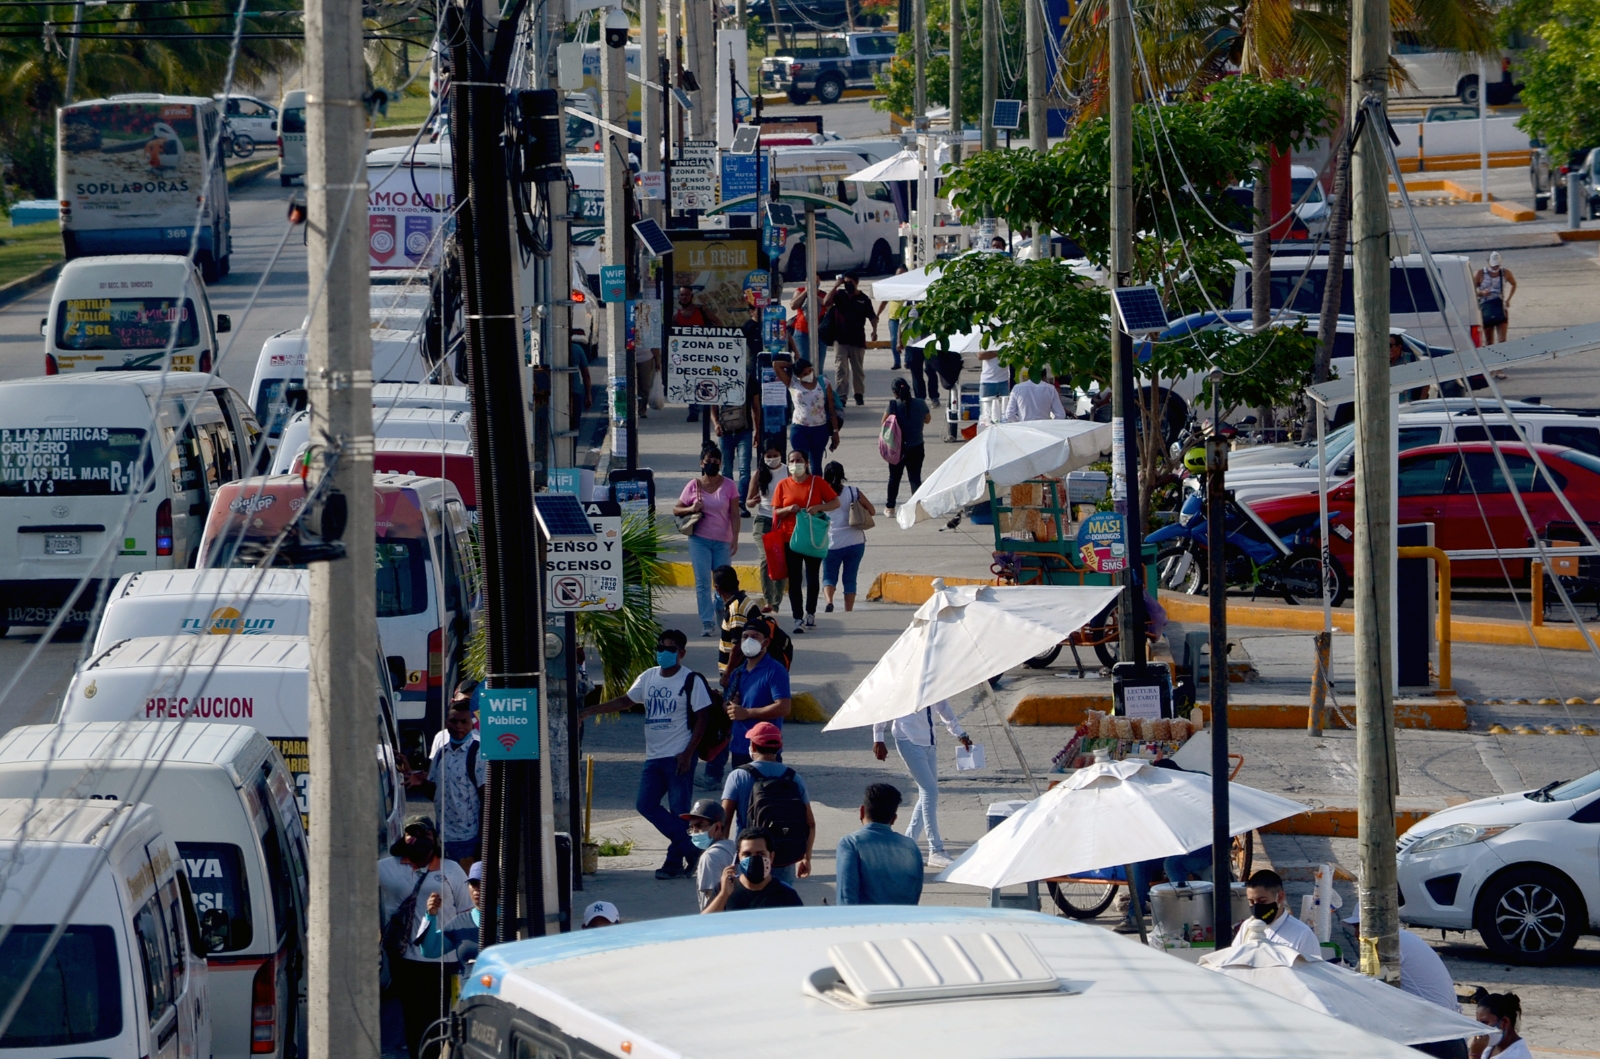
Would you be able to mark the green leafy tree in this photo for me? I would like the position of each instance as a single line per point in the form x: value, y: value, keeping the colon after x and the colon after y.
x: 1560, y: 81
x: 899, y: 83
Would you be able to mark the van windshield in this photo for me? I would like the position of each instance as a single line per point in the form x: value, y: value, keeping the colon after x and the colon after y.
x: 402, y: 577
x: 277, y: 403
x: 126, y: 323
x: 217, y: 880
x: 77, y: 996
x: 71, y: 461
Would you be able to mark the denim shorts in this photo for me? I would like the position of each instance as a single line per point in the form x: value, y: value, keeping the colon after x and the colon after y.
x: 994, y: 389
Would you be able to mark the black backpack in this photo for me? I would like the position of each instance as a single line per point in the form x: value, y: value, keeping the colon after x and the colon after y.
x: 776, y: 806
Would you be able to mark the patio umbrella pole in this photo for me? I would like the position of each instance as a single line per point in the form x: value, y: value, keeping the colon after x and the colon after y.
x: 1011, y: 737
x: 1133, y: 904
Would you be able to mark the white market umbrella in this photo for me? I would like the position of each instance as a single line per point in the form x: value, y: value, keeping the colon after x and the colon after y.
x: 1005, y: 454
x: 909, y: 286
x: 967, y: 342
x: 1338, y: 991
x: 903, y: 166
x: 1113, y: 812
x: 961, y: 637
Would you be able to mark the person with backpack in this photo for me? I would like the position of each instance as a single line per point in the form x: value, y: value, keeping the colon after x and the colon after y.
x: 767, y: 794
x: 758, y: 691
x: 674, y: 698
x: 420, y: 965
x: 900, y: 440
x: 457, y: 774
x: 847, y: 537
x: 737, y: 609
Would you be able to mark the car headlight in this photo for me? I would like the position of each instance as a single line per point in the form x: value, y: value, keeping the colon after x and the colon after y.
x: 1457, y: 835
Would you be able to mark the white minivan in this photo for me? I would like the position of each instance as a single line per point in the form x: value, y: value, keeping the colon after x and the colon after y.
x: 78, y: 478
x: 292, y: 137
x: 388, y: 424
x: 127, y: 977
x: 227, y: 801
x: 130, y: 312
x: 859, y: 232
x: 259, y: 681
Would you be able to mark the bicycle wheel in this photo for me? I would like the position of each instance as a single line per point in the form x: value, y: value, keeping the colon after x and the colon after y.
x: 1044, y: 658
x: 1082, y: 900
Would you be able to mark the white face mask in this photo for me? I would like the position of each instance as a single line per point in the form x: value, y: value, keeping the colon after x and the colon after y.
x: 774, y: 462
x: 797, y: 468
x: 750, y: 646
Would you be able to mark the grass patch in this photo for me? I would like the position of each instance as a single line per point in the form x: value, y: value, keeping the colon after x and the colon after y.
x: 612, y: 848
x: 407, y: 110
x: 25, y: 250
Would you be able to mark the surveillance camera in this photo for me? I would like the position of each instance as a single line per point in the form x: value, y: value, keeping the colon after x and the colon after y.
x: 616, y: 28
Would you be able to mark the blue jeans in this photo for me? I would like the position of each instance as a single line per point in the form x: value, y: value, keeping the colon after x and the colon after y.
x: 802, y: 344
x: 850, y: 558
x: 736, y: 460
x: 923, y: 764
x: 1177, y: 869
x: 705, y: 555
x: 661, y: 777
x: 894, y: 341
x: 813, y: 441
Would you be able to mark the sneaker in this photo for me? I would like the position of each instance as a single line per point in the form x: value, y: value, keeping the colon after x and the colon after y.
x: 672, y: 869
x: 938, y: 862
x: 860, y: 399
x: 799, y: 626
x: 888, y: 512
x: 1127, y: 926
x: 811, y: 621
x: 710, y: 783
x: 828, y: 609
x: 707, y: 630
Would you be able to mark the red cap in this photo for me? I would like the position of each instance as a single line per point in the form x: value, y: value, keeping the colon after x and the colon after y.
x: 766, y: 734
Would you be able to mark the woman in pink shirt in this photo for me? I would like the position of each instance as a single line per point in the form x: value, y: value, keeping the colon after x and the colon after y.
x: 714, y: 539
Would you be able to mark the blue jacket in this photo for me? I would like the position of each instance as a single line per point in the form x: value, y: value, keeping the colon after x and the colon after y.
x: 878, y: 866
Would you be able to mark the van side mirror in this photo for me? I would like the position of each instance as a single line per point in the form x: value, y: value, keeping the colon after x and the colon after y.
x: 44, y: 325
x: 224, y: 323
x: 215, y: 930
x: 397, y: 671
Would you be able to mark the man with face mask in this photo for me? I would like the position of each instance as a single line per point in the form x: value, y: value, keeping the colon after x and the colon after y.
x: 851, y: 309
x: 708, y: 830
x: 1267, y: 903
x: 457, y: 773
x: 748, y: 883
x: 674, y: 698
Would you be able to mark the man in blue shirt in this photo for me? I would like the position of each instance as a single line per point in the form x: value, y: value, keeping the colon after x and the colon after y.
x: 758, y: 691
x: 786, y: 802
x: 877, y: 865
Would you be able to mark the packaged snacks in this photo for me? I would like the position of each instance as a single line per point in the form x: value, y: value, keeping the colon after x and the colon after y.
x: 1123, y: 727
x: 1181, y: 728
x: 1161, y: 728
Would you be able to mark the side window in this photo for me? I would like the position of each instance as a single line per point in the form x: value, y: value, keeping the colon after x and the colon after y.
x: 1426, y: 475
x: 461, y: 531
x: 847, y: 192
x: 1416, y: 437
x: 538, y: 1046
x: 444, y: 554
x: 1498, y: 431
x: 187, y: 467
x: 149, y: 934
x: 278, y: 878
x: 878, y: 191
x: 177, y: 940
x: 1584, y: 439
x: 1485, y: 476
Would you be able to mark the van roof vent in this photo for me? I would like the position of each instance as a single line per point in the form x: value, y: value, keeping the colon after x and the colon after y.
x: 937, y: 967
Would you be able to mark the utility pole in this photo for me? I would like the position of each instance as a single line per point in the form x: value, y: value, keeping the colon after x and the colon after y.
x: 669, y: 78
x: 77, y: 28
x: 1125, y: 448
x: 515, y: 800
x: 919, y: 42
x: 1038, y: 90
x: 1217, y: 585
x: 957, y: 133
x: 342, y: 918
x: 1374, y: 540
x: 991, y: 71
x: 614, y: 105
x: 651, y: 125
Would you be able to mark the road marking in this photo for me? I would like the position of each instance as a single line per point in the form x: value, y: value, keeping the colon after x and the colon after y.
x: 1501, y: 770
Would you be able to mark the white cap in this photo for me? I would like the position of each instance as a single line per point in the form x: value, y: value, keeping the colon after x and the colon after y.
x: 601, y: 910
x: 1494, y: 259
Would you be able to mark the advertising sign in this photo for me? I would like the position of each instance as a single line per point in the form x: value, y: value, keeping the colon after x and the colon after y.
x: 407, y: 207
x: 130, y: 165
x: 715, y: 265
x: 706, y: 365
x: 585, y: 573
x: 508, y: 724
x: 613, y: 283
x: 1103, y: 543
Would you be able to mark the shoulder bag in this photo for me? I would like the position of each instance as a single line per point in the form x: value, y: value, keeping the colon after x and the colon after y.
x: 859, y: 517
x: 687, y: 523
x: 810, y: 536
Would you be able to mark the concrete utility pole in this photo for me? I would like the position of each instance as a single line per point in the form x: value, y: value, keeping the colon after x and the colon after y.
x: 342, y: 918
x: 1125, y: 448
x: 674, y: 130
x: 650, y: 116
x: 72, y: 59
x: 1038, y: 92
x: 919, y: 43
x: 1374, y: 540
x: 614, y: 105
x: 702, y: 59
x: 991, y: 72
x: 957, y: 134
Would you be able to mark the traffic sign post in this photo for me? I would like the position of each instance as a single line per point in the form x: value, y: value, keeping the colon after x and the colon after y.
x: 705, y: 365
x: 694, y: 176
x: 585, y: 573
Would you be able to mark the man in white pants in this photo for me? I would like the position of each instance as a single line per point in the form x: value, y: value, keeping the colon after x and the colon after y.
x: 913, y: 738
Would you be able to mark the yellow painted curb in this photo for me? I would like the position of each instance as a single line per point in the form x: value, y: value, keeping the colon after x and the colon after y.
x: 1338, y: 823
x: 912, y: 589
x: 1462, y: 193
x: 805, y: 709
x: 1448, y: 715
x: 1512, y: 211
x: 1581, y: 235
x: 681, y: 575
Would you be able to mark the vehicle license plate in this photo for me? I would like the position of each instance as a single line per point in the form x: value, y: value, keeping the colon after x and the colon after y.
x: 63, y: 545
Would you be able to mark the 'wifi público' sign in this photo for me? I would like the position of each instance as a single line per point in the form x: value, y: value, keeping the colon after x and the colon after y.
x: 508, y: 724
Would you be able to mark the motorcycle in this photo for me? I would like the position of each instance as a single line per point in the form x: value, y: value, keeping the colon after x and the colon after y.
x: 1283, y: 560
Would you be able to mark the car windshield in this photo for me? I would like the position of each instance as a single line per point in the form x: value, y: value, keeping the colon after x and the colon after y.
x: 1300, y: 185
x: 294, y: 119
x: 1335, y: 443
x: 77, y: 996
x: 1577, y: 788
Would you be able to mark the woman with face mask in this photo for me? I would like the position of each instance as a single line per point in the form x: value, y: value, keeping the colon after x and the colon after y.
x: 814, y: 427
x: 714, y: 536
x: 768, y: 474
x: 802, y: 491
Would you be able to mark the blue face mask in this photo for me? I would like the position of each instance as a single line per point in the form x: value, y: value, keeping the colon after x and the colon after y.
x: 666, y: 659
x: 701, y: 839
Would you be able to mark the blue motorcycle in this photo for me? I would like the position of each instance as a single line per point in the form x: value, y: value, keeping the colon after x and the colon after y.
x: 1282, y: 560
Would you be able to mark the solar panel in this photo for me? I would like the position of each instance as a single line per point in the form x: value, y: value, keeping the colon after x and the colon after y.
x: 561, y: 515
x: 780, y: 215
x: 746, y: 140
x: 653, y: 237
x: 1007, y: 113
x: 1140, y: 309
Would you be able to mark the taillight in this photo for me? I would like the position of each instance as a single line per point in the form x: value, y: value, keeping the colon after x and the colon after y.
x: 436, y: 658
x: 1477, y: 334
x: 795, y: 68
x: 264, y: 1009
x: 205, y: 360
x: 1564, y: 170
x: 164, y: 528
x: 50, y: 365
x: 577, y: 296
x: 280, y: 146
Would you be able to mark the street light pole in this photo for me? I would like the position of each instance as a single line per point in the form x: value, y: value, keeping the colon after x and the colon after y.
x: 957, y: 134
x: 1125, y: 447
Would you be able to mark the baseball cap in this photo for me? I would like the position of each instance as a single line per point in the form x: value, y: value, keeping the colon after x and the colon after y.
x: 766, y: 734
x: 758, y: 625
x: 475, y: 874
x: 706, y: 809
x: 601, y: 910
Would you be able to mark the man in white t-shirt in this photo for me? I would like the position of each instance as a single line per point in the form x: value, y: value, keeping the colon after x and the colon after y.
x: 1034, y: 399
x: 994, y: 382
x: 674, y: 698
x: 1268, y: 904
x: 1422, y: 973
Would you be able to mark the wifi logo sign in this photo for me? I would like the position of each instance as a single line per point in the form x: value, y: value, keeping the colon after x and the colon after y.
x: 508, y: 740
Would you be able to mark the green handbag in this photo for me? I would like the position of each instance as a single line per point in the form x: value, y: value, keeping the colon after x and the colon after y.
x: 810, y: 536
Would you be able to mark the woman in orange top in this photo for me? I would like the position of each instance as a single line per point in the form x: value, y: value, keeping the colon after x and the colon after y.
x: 801, y: 491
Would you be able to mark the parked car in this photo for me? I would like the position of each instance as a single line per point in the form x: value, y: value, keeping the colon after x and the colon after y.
x: 1459, y: 488
x: 249, y: 118
x: 1451, y: 112
x: 1313, y: 212
x: 1520, y: 869
x: 827, y: 65
x: 1434, y: 71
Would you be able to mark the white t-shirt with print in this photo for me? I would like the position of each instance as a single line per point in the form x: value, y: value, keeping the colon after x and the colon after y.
x: 667, y: 720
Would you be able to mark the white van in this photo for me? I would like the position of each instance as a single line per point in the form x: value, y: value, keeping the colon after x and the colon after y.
x: 421, y: 395
x: 130, y: 312
x: 226, y: 801
x: 387, y: 424
x: 292, y: 137
x: 860, y: 234
x: 127, y: 978
x: 427, y: 578
x: 278, y: 390
x: 76, y: 452
x: 259, y: 681
x: 1412, y: 304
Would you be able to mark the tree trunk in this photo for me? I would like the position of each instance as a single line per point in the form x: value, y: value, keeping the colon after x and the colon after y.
x: 1338, y: 233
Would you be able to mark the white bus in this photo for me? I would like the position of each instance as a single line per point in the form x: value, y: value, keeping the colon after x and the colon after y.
x: 131, y: 174
x: 928, y: 982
